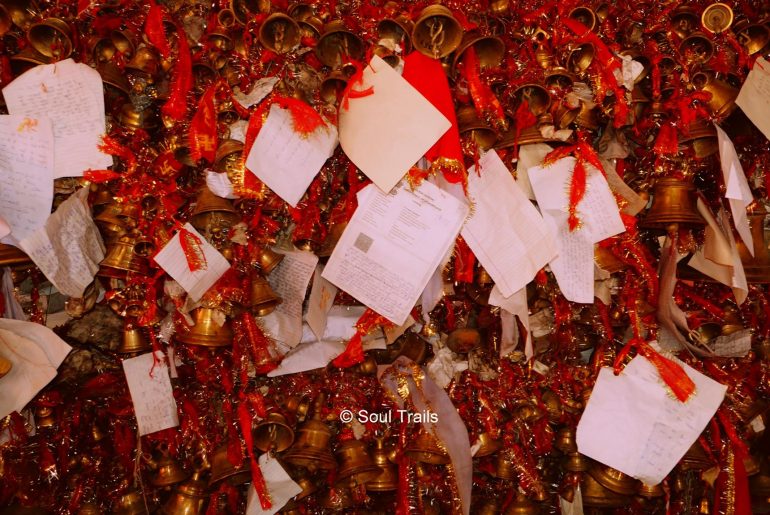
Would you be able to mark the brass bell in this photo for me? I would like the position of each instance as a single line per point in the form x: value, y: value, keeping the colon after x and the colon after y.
x: 263, y: 299
x: 580, y: 58
x: 338, y: 43
x: 717, y: 17
x: 558, y: 77
x: 212, y: 211
x: 21, y: 13
x: 5, y: 366
x: 222, y: 469
x: 673, y: 202
x: 488, y: 445
x: 131, y: 118
x: 168, y: 471
x: 396, y: 31
x: 588, y: 117
x: 684, y: 21
x: 244, y: 9
x: 133, y: 341
x: 298, y: 406
x: 490, y: 50
x: 425, y: 448
x: 521, y: 505
x: 702, y: 136
x: 536, y: 96
x: 596, y: 496
x: 273, y: 433
x: 586, y: 16
x: 333, y: 86
x: 226, y: 18
x: 207, y: 332
x: 436, y: 32
x: 268, y: 259
x: 229, y: 159
x: 722, y: 101
x: 121, y: 259
x: 279, y: 33
x: 387, y: 480
x: 26, y: 59
x: 613, y: 479
x: 756, y: 267
x: 754, y: 38
x: 112, y: 76
x: 751, y: 464
x: 130, y: 503
x: 356, y: 466
x: 651, y: 491
x: 576, y: 462
x: 311, y: 448
x: 565, y: 440
x: 51, y: 37
x: 144, y: 63
x: 311, y: 27
x: 696, y: 49
x: 464, y: 339
x: 413, y: 347
x: 189, y: 498
x: 470, y: 125
x: 305, y: 481
x: 336, y: 498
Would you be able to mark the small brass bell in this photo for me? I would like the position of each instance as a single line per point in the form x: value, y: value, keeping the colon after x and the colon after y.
x: 268, y: 259
x: 333, y: 86
x: 673, y: 202
x: 651, y: 491
x: 51, y: 37
x: 387, y: 479
x: 490, y: 50
x: 717, y: 17
x: 596, y: 496
x: 565, y: 440
x: 488, y: 445
x: 121, y: 259
x: 222, y: 469
x: 756, y: 267
x: 145, y: 63
x: 273, y: 433
x: 437, y: 33
x: 356, y: 466
x: 580, y: 58
x: 754, y: 38
x: 470, y: 125
x: 425, y: 448
x: 112, y: 76
x: 311, y: 448
x: 279, y: 33
x: 21, y: 13
x: 521, y: 505
x: 263, y: 299
x: 305, y: 481
x: 723, y: 95
x: 133, y: 341
x: 130, y: 503
x: 702, y: 136
x: 696, y: 49
x: 396, y: 31
x: 207, y: 332
x: 613, y: 479
x: 298, y: 406
x: 212, y: 211
x: 586, y: 16
x: 576, y: 462
x: 189, y: 498
x: 338, y: 43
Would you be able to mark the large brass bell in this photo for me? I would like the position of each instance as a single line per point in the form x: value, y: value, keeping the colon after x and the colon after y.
x: 121, y: 258
x: 673, y: 202
x: 130, y: 503
x: 475, y: 128
x: 597, y: 496
x: 312, y: 448
x: 189, y: 498
x: 436, y: 32
x: 425, y: 448
x: 268, y: 259
x: 490, y: 50
x: 586, y: 16
x: 754, y: 38
x: 279, y: 33
x: 356, y: 466
x: 262, y: 297
x: 387, y: 479
x: 222, y: 469
x: 273, y: 433
x: 396, y: 31
x: 702, y: 136
x: 51, y: 37
x: 133, y: 341
x: 696, y: 49
x: 613, y: 479
x: 756, y: 267
x: 337, y: 44
x: 168, y: 471
x: 207, y: 331
x: 212, y: 211
x: 723, y: 95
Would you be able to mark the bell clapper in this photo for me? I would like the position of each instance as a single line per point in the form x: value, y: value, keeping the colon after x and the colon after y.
x: 437, y: 36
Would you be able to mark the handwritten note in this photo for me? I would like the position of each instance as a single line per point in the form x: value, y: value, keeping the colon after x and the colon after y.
x: 70, y: 95
x: 280, y: 486
x: 754, y: 96
x: 393, y: 244
x: 171, y: 258
x: 26, y: 174
x: 530, y: 156
x: 505, y: 231
x: 151, y: 393
x: 599, y: 216
x: 738, y: 191
x: 319, y: 303
x: 632, y: 423
x: 35, y: 352
x: 289, y: 281
x: 386, y: 133
x: 68, y: 249
x: 286, y: 160
x: 512, y: 305
x: 735, y: 345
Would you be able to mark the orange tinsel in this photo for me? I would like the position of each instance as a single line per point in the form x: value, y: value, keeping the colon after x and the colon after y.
x: 305, y: 119
x: 153, y: 28
x: 176, y: 106
x: 354, y: 352
x: 193, y: 250
x: 670, y: 371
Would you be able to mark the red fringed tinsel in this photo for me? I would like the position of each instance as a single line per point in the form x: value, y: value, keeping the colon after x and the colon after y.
x: 175, y: 107
x: 153, y: 28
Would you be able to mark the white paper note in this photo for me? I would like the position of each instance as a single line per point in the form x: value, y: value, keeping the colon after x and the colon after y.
x: 530, y: 156
x: 575, y: 507
x: 599, y: 217
x: 289, y: 281
x: 69, y: 248
x: 319, y: 303
x: 35, y: 353
x: 505, y: 231
x: 26, y: 174
x: 634, y: 424
x: 220, y: 184
x: 171, y: 258
x: 738, y: 191
x: 261, y: 89
x: 70, y: 95
x: 393, y: 244
x: 151, y: 393
x: 279, y: 485
x: 754, y: 96
x: 12, y: 307
x: 735, y: 345
x: 386, y: 133
x: 287, y: 161
x: 515, y: 304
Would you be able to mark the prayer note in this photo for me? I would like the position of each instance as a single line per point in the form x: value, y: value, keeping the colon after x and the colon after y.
x: 150, y: 388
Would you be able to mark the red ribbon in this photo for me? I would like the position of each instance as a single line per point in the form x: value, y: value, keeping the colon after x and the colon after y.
x: 203, y: 128
x: 354, y: 352
x: 192, y: 246
x: 356, y: 79
x: 175, y: 107
x: 153, y: 28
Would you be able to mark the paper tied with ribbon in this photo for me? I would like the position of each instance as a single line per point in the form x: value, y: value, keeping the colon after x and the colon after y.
x: 406, y: 382
x: 280, y: 486
x: 192, y: 261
